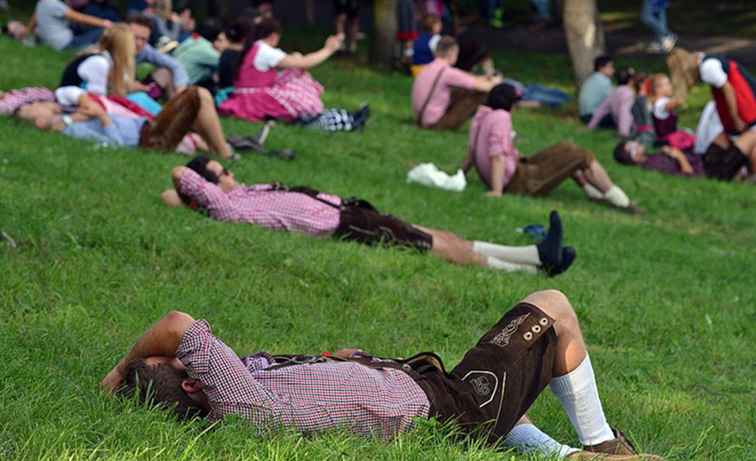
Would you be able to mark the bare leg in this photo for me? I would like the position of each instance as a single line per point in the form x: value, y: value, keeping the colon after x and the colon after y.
x: 208, y: 125
x: 571, y: 350
x: 597, y: 176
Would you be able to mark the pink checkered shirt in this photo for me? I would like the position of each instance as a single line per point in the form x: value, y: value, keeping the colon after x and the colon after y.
x: 308, y: 398
x: 262, y: 205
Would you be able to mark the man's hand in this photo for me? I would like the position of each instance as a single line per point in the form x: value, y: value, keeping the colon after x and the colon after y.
x: 112, y: 381
x: 334, y: 42
x: 740, y: 125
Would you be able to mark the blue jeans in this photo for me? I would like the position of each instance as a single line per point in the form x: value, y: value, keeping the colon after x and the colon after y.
x: 542, y: 8
x: 654, y: 15
x: 85, y: 39
x: 551, y: 97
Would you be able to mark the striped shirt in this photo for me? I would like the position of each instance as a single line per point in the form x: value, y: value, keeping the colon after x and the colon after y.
x: 307, y: 397
x: 263, y: 205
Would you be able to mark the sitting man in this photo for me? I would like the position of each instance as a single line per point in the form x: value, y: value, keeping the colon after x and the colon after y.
x: 444, y: 97
x: 500, y: 167
x: 192, y: 109
x: 538, y: 343
x: 206, y: 185
x: 595, y: 89
x: 168, y: 74
x: 720, y: 163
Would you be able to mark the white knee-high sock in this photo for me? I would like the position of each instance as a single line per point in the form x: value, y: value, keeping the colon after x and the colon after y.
x: 578, y: 393
x: 498, y: 264
x: 518, y: 255
x: 528, y: 438
x: 592, y: 192
x: 617, y: 197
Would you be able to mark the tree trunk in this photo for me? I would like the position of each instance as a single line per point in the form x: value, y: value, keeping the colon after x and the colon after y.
x: 585, y: 35
x: 383, y: 41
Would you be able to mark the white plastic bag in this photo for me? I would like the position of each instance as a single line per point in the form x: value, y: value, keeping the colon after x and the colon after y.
x: 428, y: 174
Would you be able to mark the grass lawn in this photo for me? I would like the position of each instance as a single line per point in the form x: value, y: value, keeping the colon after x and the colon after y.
x: 666, y: 299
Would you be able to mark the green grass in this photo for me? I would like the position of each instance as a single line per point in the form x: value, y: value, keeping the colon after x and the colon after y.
x: 666, y: 299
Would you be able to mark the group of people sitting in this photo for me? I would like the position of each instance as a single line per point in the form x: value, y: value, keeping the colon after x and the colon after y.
x: 642, y: 109
x: 239, y: 71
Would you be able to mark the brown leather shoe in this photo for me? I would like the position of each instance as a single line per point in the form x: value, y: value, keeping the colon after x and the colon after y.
x: 617, y: 449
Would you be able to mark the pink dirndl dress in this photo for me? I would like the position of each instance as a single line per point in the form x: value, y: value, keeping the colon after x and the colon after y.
x: 288, y: 95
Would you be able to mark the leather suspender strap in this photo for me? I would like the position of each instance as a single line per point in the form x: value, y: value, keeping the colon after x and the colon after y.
x: 420, y: 114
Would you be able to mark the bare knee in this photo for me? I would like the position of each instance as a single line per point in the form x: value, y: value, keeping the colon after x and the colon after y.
x: 204, y: 95
x: 553, y: 303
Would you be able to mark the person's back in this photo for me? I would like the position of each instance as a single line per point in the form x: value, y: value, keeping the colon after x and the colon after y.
x: 491, y: 135
x: 52, y: 27
x: 593, y: 92
x: 198, y: 57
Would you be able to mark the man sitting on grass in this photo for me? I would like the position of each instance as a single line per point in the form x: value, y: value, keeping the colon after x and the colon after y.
x: 493, y: 154
x: 538, y: 343
x: 444, y: 97
x: 204, y: 184
x: 192, y: 109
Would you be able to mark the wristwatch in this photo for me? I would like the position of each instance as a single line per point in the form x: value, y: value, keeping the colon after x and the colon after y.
x: 67, y: 120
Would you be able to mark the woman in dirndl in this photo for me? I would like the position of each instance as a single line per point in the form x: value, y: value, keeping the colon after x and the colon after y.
x: 272, y: 84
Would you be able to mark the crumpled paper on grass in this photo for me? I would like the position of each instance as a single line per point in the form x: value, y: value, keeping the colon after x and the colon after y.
x: 429, y: 175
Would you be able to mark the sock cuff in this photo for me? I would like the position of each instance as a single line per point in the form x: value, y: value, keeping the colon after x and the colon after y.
x: 574, y: 381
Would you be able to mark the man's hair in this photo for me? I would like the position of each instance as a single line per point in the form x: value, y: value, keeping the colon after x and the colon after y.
x: 625, y: 75
x: 199, y: 165
x: 430, y: 21
x: 240, y: 29
x: 601, y: 61
x: 621, y: 155
x: 445, y: 45
x: 503, y: 96
x: 683, y: 70
x: 140, y: 20
x: 160, y: 385
x: 210, y: 28
x: 265, y: 28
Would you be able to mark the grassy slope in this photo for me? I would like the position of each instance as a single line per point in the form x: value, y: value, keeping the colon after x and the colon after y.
x: 666, y: 299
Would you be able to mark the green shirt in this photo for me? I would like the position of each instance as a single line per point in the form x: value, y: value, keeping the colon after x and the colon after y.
x: 198, y: 57
x: 593, y: 92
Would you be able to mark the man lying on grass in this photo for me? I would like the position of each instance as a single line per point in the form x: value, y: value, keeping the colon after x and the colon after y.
x: 205, y: 185
x: 192, y: 109
x: 538, y: 343
x: 493, y: 153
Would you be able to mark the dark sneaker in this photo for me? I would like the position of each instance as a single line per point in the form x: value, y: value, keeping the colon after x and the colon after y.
x: 568, y: 257
x: 618, y: 449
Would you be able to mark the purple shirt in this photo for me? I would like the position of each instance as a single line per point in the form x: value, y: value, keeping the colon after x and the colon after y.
x: 619, y: 103
x: 439, y: 101
x: 308, y: 398
x: 667, y: 165
x: 264, y: 206
x: 493, y: 130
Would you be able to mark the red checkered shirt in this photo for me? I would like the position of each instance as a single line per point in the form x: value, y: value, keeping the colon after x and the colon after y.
x: 261, y: 204
x: 308, y: 397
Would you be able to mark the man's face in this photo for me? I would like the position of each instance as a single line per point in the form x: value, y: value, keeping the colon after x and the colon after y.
x: 608, y: 70
x: 637, y: 152
x: 41, y: 114
x: 141, y: 35
x: 221, y: 42
x: 226, y: 180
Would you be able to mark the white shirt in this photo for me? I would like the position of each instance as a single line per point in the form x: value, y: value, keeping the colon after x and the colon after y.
x: 94, y: 71
x: 660, y: 108
x: 267, y: 57
x: 68, y: 96
x: 712, y: 72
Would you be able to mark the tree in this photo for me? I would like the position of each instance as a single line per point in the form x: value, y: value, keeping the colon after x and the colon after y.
x: 585, y: 35
x: 384, y: 33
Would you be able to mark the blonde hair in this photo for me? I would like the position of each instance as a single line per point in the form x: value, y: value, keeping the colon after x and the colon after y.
x: 119, y: 42
x: 683, y: 68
